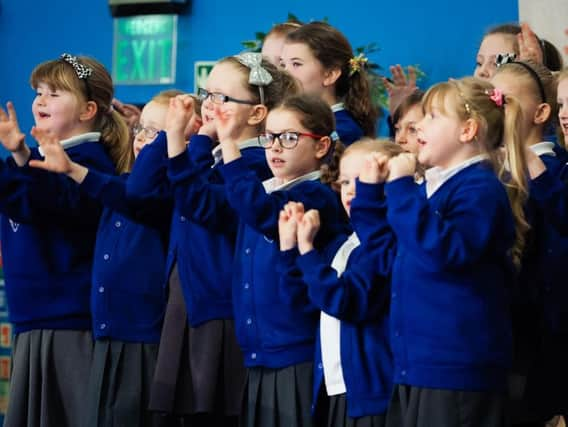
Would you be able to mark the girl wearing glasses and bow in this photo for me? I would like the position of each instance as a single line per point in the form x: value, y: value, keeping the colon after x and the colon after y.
x: 200, y: 371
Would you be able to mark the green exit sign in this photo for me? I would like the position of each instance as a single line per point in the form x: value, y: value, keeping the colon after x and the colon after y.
x: 144, y: 49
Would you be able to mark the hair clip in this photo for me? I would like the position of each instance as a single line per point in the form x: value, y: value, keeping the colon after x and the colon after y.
x: 82, y: 71
x: 496, y: 96
x: 505, y: 58
x: 357, y: 63
x: 334, y: 136
x: 258, y: 76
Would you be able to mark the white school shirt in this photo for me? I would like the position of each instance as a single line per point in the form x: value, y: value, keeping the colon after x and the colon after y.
x: 436, y: 176
x: 544, y: 147
x: 217, y: 152
x: 330, y: 335
x: 76, y: 140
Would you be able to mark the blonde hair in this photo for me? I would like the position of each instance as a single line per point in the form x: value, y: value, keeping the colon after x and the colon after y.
x: 98, y: 87
x: 538, y: 75
x: 164, y: 97
x: 330, y: 174
x: 281, y: 86
x: 498, y: 126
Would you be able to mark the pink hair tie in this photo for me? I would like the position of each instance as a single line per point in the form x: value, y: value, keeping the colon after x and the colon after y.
x: 497, y: 97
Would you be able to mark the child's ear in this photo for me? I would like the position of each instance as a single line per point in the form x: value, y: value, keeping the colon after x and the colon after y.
x: 331, y: 76
x: 469, y: 131
x: 322, y: 147
x: 542, y: 113
x: 90, y: 111
x: 257, y: 115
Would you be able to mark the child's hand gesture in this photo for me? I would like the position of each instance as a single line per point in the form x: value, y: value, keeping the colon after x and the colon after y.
x: 228, y: 132
x: 288, y: 225
x: 55, y: 157
x: 529, y: 45
x: 10, y: 135
x: 402, y: 165
x: 180, y: 111
x: 308, y: 227
x: 209, y: 129
x: 400, y: 87
x: 375, y: 169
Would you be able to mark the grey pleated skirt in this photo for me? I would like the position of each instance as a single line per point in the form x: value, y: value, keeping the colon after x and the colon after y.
x: 50, y: 372
x: 278, y: 397
x: 119, y: 385
x: 423, y: 407
x: 199, y: 370
x: 337, y: 415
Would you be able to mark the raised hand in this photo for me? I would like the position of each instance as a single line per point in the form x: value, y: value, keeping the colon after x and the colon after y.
x: 10, y: 135
x: 375, y: 168
x: 180, y: 112
x: 402, y: 165
x: 55, y: 157
x: 228, y: 131
x: 287, y: 227
x: 400, y: 87
x: 529, y: 45
x: 308, y: 227
x: 130, y: 113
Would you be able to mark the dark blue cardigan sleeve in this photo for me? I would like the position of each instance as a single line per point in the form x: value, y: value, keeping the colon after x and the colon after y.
x: 260, y: 210
x: 34, y: 195
x: 454, y: 238
x: 148, y: 181
x: 357, y: 295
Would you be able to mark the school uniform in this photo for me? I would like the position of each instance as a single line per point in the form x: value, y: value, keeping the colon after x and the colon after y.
x: 541, y: 324
x: 200, y: 368
x: 128, y: 300
x: 276, y: 334
x: 450, y: 325
x: 346, y: 126
x: 48, y: 229
x: 353, y: 357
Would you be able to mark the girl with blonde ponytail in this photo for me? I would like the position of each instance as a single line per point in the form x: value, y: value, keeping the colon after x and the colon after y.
x: 455, y: 242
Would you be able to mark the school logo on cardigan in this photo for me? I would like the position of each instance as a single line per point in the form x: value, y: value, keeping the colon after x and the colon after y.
x: 14, y: 225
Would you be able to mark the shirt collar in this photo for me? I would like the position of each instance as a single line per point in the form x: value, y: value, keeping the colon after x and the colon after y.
x: 338, y: 107
x: 542, y: 148
x: 218, y: 154
x: 436, y: 177
x: 275, y: 184
x: 77, y: 140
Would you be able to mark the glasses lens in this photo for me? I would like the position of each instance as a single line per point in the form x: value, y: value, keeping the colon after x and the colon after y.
x: 202, y: 94
x: 265, y: 139
x: 218, y: 98
x: 289, y: 139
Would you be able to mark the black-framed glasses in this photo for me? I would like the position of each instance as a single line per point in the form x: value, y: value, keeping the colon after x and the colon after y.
x: 288, y: 139
x: 219, y: 98
x: 149, y: 132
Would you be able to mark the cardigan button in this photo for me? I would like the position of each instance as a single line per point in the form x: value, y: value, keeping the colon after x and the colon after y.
x: 249, y: 321
x: 253, y: 356
x: 103, y: 326
x: 117, y: 224
x: 320, y: 366
x: 247, y: 251
x: 182, y: 218
x: 403, y: 373
x: 101, y: 289
x: 247, y: 285
x: 106, y: 257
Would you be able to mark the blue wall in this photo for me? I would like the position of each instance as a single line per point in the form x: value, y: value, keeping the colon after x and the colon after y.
x: 440, y: 35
